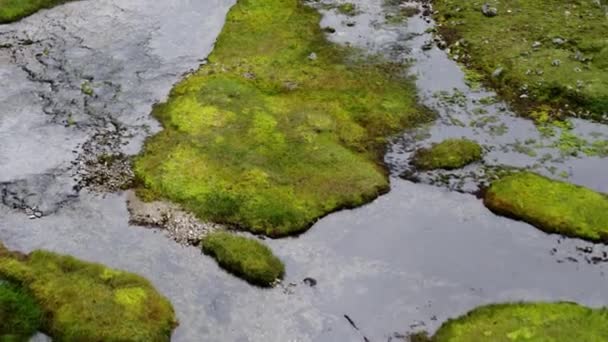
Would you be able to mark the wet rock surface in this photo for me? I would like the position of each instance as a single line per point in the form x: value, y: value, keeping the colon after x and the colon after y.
x: 383, y: 265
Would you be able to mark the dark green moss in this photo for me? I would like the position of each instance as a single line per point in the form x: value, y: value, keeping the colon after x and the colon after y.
x: 280, y: 127
x: 552, y: 206
x: 538, y: 322
x: 449, y: 154
x: 13, y: 10
x: 244, y: 257
x: 555, y: 57
x: 84, y: 301
x: 20, y: 316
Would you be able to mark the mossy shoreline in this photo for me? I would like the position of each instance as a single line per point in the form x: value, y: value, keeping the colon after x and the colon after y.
x: 14, y: 10
x: 280, y: 128
x: 82, y: 301
x: 514, y: 322
x: 537, y: 59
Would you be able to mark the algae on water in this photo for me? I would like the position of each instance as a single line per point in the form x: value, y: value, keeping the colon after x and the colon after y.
x: 280, y: 127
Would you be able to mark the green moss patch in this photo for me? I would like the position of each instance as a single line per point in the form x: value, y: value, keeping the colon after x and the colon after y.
x: 553, y: 51
x: 538, y: 322
x: 13, y: 10
x: 20, y: 316
x: 449, y: 154
x: 280, y: 127
x: 84, y: 301
x: 244, y: 257
x: 550, y: 205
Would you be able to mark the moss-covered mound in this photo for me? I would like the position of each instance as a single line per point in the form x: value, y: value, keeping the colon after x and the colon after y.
x: 554, y: 52
x: 279, y: 128
x: 84, y: 301
x: 449, y: 154
x: 245, y: 258
x: 13, y: 10
x: 553, y: 206
x: 19, y: 314
x: 538, y: 322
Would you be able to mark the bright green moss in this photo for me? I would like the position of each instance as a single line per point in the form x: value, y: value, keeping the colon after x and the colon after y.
x: 538, y: 322
x: 84, y: 301
x: 554, y: 51
x: 12, y: 10
x: 279, y: 128
x: 553, y: 206
x: 245, y: 258
x: 19, y: 314
x: 449, y: 154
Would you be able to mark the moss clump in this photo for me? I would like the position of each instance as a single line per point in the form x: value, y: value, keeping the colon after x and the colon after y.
x: 280, y: 127
x: 538, y: 322
x: 553, y: 206
x: 19, y: 314
x: 13, y: 10
x: 245, y: 258
x: 348, y: 9
x: 449, y: 154
x: 555, y: 57
x: 84, y: 301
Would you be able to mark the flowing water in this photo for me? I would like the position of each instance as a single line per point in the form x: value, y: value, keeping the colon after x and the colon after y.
x: 407, y: 261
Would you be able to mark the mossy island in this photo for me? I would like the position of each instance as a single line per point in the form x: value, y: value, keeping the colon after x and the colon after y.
x: 280, y: 127
x: 13, y: 10
x: 244, y: 257
x: 514, y: 322
x: 534, y: 57
x: 72, y: 300
x: 550, y: 205
x: 449, y: 154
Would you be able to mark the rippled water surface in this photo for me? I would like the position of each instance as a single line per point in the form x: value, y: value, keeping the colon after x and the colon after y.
x: 409, y: 260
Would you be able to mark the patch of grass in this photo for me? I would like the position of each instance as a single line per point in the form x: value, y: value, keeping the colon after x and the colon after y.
x: 280, y: 128
x: 84, y: 301
x: 19, y: 314
x: 552, y: 206
x: 449, y: 154
x: 13, y: 10
x: 514, y: 322
x: 555, y: 57
x: 244, y: 257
